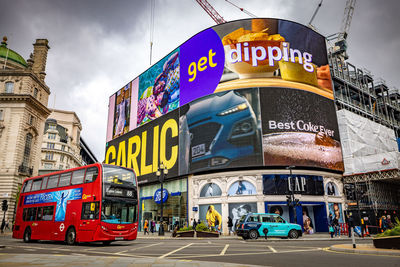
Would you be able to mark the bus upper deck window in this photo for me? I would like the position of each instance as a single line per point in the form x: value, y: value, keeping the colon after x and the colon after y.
x: 91, y: 174
x: 77, y: 176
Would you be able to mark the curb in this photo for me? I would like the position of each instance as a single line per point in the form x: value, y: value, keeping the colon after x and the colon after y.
x: 377, y: 251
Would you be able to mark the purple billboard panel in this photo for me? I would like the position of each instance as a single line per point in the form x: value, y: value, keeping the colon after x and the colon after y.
x: 134, y: 102
x: 202, y: 65
x: 110, y: 123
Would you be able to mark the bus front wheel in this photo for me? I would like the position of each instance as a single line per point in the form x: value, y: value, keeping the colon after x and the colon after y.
x: 27, y: 235
x: 71, y: 236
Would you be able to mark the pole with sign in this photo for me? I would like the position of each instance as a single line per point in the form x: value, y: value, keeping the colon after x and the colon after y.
x: 161, y: 175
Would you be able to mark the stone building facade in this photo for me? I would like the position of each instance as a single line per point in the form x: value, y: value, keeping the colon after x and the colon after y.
x: 61, y: 142
x: 23, y: 111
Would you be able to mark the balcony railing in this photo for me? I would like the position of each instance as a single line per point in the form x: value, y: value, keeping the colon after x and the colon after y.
x: 25, y: 169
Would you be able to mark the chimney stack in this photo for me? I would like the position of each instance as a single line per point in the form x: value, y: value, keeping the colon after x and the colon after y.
x: 40, y: 49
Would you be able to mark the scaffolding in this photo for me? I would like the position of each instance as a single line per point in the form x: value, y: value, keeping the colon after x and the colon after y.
x: 356, y: 90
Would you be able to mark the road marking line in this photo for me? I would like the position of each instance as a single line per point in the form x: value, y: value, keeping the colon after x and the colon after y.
x: 365, y: 254
x: 151, y: 245
x: 224, y: 250
x: 176, y: 250
x: 209, y: 242
x: 272, y: 249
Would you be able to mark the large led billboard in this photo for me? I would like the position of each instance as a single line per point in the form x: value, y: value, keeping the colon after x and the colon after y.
x: 276, y: 109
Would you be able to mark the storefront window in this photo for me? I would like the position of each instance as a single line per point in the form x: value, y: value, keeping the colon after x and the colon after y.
x: 174, y: 208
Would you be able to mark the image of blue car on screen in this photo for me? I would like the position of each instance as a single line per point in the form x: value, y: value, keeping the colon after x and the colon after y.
x: 221, y: 130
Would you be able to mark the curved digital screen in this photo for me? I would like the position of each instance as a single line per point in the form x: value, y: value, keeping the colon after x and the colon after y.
x: 276, y: 109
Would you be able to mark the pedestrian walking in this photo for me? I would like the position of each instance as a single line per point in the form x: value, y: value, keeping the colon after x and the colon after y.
x: 350, y: 222
x: 194, y: 224
x: 152, y: 226
x: 230, y: 225
x: 146, y: 227
x: 331, y: 227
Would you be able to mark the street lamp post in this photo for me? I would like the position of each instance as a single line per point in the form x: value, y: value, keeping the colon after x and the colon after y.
x: 293, y: 201
x: 161, y: 175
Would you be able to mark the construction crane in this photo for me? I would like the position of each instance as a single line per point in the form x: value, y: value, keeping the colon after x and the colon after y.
x: 341, y: 44
x: 242, y: 9
x: 211, y: 11
x: 313, y: 16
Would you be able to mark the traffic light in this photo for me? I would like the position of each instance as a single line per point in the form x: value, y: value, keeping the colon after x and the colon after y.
x: 4, y: 205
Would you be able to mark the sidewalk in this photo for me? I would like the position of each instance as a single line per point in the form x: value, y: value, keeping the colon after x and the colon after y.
x: 313, y: 237
x: 96, y: 261
x: 365, y: 249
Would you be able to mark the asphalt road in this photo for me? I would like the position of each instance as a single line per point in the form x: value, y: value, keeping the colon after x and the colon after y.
x: 266, y: 253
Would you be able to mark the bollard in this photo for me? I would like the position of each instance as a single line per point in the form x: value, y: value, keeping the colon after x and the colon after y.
x: 353, y: 239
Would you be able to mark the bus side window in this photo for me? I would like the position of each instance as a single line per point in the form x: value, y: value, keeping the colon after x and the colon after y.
x: 44, y: 183
x: 39, y: 213
x: 91, y: 174
x: 65, y: 179
x: 90, y: 210
x: 25, y: 215
x: 53, y: 181
x: 48, y: 213
x: 77, y: 176
x: 27, y: 186
x: 31, y: 215
x: 36, y: 184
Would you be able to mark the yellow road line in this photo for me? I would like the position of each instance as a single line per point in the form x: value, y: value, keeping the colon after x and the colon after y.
x: 272, y: 249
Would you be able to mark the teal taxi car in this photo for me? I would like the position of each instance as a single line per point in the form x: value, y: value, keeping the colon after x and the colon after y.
x: 254, y: 225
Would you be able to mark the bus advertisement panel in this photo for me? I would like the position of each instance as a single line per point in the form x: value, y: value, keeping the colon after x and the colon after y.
x: 253, y: 92
x: 97, y: 202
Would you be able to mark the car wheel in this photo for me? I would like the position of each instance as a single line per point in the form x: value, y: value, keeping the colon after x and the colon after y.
x: 253, y: 234
x: 71, y: 236
x: 27, y: 235
x: 293, y: 234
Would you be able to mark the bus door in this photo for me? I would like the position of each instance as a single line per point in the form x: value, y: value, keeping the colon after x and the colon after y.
x: 89, y: 220
x: 45, y: 224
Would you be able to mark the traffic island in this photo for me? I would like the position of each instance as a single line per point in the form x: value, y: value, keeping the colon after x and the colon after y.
x: 189, y: 233
x: 364, y: 249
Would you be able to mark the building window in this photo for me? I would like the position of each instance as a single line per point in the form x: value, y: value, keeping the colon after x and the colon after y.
x: 50, y: 145
x: 31, y: 119
x: 62, y: 158
x: 35, y: 92
x: 49, y: 156
x: 27, y: 150
x: 60, y: 167
x: 52, y: 136
x: 52, y: 126
x: 1, y: 115
x: 9, y: 87
x: 63, y: 147
x: 48, y: 165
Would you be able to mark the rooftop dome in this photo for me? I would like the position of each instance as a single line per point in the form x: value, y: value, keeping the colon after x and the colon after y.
x: 11, y: 55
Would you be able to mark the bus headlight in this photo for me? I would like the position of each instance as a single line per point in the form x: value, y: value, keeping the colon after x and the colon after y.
x: 104, y: 228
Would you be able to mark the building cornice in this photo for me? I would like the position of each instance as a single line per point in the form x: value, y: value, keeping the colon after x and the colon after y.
x: 28, y: 99
x: 13, y: 72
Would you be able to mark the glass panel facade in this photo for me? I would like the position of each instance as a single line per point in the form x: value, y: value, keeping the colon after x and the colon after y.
x: 174, y: 209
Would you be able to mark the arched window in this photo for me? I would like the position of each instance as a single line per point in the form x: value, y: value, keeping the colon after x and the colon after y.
x: 242, y: 188
x: 27, y: 150
x: 210, y: 190
x: 331, y: 189
x: 9, y: 87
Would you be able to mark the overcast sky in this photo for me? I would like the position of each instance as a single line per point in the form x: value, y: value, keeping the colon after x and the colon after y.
x: 98, y: 46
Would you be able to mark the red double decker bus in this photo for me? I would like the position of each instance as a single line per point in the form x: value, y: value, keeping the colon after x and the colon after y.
x: 97, y: 202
